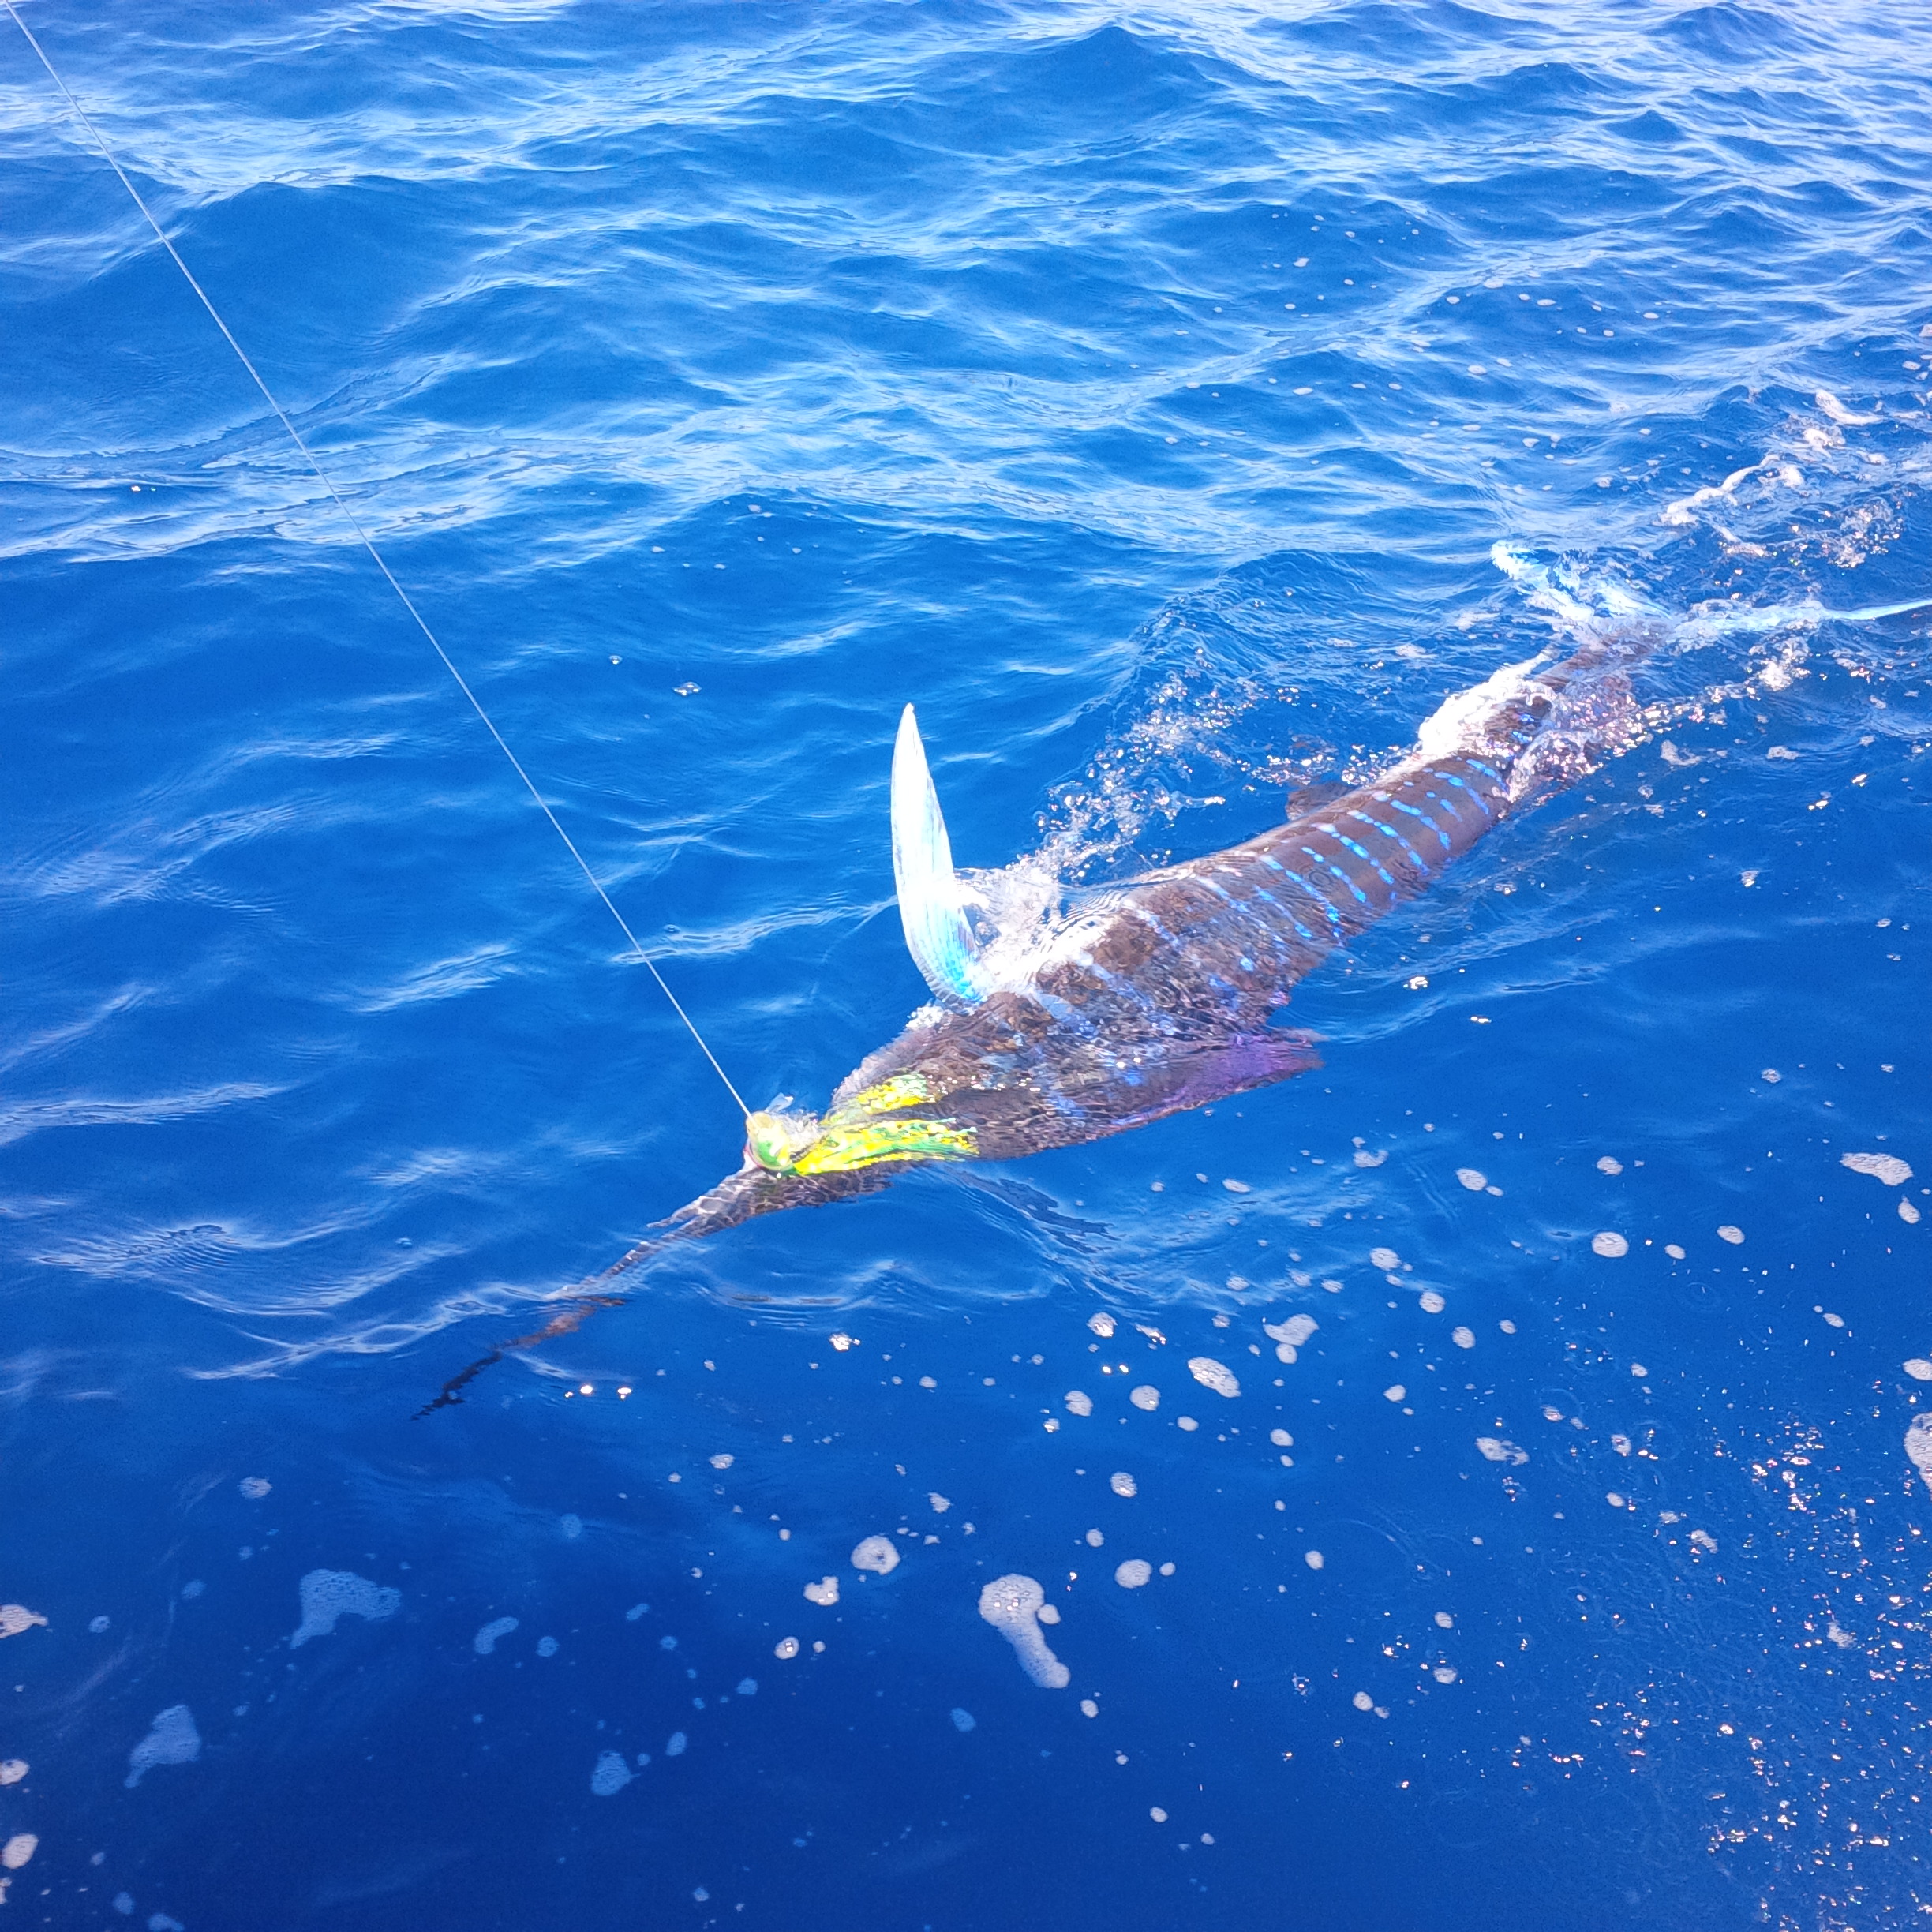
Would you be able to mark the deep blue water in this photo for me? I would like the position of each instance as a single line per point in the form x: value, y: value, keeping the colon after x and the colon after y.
x: 1140, y: 393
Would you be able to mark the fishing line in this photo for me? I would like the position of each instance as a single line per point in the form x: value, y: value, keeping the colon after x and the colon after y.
x: 463, y: 684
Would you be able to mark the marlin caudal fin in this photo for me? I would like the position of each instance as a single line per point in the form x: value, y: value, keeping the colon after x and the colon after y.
x: 941, y: 941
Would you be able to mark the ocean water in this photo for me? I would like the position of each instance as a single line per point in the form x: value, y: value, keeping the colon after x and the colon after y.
x: 1140, y: 393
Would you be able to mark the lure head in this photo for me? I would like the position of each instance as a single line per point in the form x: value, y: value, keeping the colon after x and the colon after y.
x: 776, y: 1137
x: 872, y: 1126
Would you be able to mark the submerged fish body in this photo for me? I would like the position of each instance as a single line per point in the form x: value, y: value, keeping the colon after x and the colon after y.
x: 1166, y: 993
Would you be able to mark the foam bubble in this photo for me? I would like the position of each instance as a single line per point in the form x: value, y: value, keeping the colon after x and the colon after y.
x: 1705, y: 1540
x: 1146, y: 1396
x: 572, y: 1525
x: 18, y: 1850
x: 1280, y: 1439
x: 1919, y: 1369
x: 1101, y: 1323
x: 675, y: 1744
x: 1609, y: 1164
x: 1611, y: 1246
x: 14, y: 1618
x: 1918, y: 1446
x: 1496, y: 1450
x: 1473, y: 1178
x: 254, y: 1487
x: 1731, y: 1235
x: 171, y: 1740
x: 611, y: 1775
x: 12, y: 1770
x: 1675, y: 1253
x: 546, y: 1646
x: 327, y: 1594
x: 825, y: 1591
x: 1463, y: 1338
x: 1122, y: 1485
x: 1212, y: 1374
x: 1079, y: 1403
x: 485, y: 1639
x: 1314, y: 1559
x: 1384, y: 1259
x: 1430, y: 1302
x: 1012, y: 1605
x: 1444, y: 1673
x: 1295, y: 1330
x: 1908, y: 1213
x: 1133, y: 1574
x: 1095, y: 1539
x: 877, y: 1554
x: 722, y: 1460
x: 1362, y: 1700
x: 1395, y: 1392
x: 963, y: 1720
x: 1187, y: 1423
x: 786, y: 1648
x: 940, y: 1504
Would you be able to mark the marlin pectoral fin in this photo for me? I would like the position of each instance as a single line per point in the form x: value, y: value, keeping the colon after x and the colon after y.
x: 941, y: 941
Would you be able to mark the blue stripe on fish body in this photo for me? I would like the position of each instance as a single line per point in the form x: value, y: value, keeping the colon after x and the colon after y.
x: 1334, y: 919
x: 1417, y: 812
x: 1339, y: 873
x: 1389, y: 832
x: 1476, y: 796
x: 1261, y: 892
x: 1362, y: 851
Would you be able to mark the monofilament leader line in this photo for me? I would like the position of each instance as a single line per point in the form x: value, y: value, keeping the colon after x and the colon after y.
x: 463, y: 684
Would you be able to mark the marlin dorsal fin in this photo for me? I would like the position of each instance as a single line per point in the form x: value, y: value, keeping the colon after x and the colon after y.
x: 937, y: 933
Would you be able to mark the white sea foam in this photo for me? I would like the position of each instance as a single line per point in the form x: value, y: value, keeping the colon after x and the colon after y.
x: 14, y: 1618
x: 1497, y: 1450
x: 328, y: 1594
x: 1079, y: 1403
x: 1133, y: 1574
x: 611, y: 1775
x: 1146, y: 1396
x: 1473, y: 1178
x: 824, y: 1592
x: 878, y: 1554
x: 171, y: 1740
x: 1212, y: 1374
x: 1122, y: 1485
x: 1101, y: 1323
x: 1886, y: 1167
x: 1012, y: 1605
x: 484, y: 1641
x: 1919, y: 1445
x: 1612, y: 1246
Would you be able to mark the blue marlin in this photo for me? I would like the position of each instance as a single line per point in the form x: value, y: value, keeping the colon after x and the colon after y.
x: 1167, y: 992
